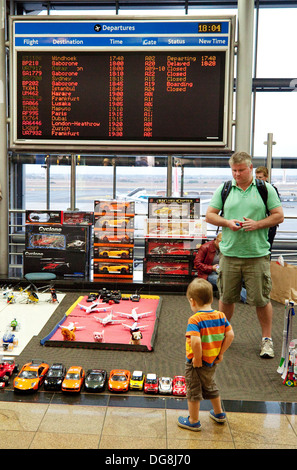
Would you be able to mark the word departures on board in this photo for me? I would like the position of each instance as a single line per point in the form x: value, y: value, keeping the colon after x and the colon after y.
x: 121, y: 84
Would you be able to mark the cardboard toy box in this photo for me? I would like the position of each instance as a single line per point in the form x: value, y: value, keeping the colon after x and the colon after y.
x: 113, y: 252
x: 43, y: 217
x: 174, y: 208
x: 57, y: 237
x: 114, y: 207
x: 113, y: 236
x: 175, y: 268
x: 169, y: 247
x: 78, y: 218
x: 65, y: 264
x: 113, y: 269
x: 114, y: 222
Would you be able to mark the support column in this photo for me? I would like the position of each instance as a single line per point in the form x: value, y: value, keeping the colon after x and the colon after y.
x: 244, y: 77
x: 3, y: 148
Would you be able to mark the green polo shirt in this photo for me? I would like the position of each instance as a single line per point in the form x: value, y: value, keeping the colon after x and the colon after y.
x: 248, y: 204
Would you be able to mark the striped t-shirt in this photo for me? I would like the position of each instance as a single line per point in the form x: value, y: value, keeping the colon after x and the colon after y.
x: 211, y: 326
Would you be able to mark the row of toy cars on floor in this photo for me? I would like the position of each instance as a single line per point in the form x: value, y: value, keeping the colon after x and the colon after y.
x: 55, y: 378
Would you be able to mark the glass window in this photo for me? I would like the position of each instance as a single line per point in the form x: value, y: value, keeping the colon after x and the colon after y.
x: 35, y: 187
x: 276, y: 40
x: 93, y: 183
x: 276, y: 113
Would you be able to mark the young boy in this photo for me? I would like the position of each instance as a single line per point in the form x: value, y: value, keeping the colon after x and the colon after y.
x: 208, y: 336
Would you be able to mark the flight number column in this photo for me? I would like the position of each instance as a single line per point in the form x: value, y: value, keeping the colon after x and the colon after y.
x: 31, y: 79
x: 116, y: 96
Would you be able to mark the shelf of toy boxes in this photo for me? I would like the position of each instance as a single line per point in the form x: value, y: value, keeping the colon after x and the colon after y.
x: 58, y: 242
x: 173, y: 233
x: 113, y: 239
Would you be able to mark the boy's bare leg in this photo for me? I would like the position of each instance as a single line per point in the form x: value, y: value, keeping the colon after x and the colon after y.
x: 217, y: 407
x: 193, y: 407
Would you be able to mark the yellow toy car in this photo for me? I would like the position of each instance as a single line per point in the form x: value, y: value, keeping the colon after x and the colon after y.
x: 115, y: 268
x: 137, y: 380
x: 115, y: 253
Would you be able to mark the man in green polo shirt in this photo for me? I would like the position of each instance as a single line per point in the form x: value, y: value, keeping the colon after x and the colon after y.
x: 245, y: 254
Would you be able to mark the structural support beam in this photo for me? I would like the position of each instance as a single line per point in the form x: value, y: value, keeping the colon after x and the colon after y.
x: 3, y: 148
x: 244, y: 75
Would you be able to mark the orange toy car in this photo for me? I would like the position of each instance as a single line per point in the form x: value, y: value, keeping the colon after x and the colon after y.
x: 31, y: 376
x: 74, y: 379
x: 119, y: 380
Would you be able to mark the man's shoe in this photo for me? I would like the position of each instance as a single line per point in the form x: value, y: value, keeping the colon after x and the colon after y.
x: 267, y: 348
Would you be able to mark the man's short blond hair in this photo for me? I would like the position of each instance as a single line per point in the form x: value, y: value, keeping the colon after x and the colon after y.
x: 200, y: 290
x: 240, y: 157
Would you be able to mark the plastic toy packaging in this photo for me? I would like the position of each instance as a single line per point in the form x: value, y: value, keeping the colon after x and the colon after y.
x: 280, y: 261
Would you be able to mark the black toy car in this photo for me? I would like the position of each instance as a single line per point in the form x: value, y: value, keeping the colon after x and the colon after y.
x: 54, y: 377
x: 95, y: 380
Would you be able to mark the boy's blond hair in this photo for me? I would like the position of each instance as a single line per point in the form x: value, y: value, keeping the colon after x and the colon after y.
x: 200, y: 290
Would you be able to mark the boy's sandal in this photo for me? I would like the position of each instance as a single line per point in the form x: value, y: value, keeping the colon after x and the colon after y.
x: 185, y: 423
x: 219, y: 418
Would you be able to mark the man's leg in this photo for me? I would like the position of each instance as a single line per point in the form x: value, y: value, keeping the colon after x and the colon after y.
x: 228, y: 309
x: 265, y: 319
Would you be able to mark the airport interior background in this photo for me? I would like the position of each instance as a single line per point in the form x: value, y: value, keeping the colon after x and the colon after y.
x: 71, y: 180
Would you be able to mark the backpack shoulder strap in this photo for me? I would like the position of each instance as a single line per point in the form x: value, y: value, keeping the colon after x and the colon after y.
x: 262, y: 188
x: 225, y: 191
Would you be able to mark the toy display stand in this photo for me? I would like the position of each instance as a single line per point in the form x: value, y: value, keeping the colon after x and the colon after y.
x: 287, y: 367
x: 34, y: 277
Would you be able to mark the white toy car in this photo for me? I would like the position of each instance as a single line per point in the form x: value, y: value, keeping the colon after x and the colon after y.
x: 165, y: 385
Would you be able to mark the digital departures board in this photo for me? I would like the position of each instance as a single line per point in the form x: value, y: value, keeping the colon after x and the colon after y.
x: 114, y: 98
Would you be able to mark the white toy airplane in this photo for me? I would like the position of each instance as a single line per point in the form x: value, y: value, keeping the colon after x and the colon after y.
x: 108, y: 320
x: 134, y: 327
x: 134, y: 315
x: 71, y: 326
x: 94, y: 307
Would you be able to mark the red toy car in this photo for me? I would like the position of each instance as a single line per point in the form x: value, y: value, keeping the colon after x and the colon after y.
x: 151, y: 384
x: 7, y: 368
x: 179, y: 386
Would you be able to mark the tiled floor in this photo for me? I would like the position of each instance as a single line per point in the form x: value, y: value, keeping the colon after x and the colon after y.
x: 123, y: 423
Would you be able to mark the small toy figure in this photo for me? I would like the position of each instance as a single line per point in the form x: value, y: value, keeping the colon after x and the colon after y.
x: 68, y: 335
x: 98, y: 336
x: 136, y: 337
x: 54, y: 297
x: 14, y: 324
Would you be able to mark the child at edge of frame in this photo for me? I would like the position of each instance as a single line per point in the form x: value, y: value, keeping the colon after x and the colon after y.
x: 208, y: 336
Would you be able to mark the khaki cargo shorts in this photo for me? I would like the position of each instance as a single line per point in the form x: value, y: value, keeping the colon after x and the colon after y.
x: 255, y: 272
x: 200, y: 382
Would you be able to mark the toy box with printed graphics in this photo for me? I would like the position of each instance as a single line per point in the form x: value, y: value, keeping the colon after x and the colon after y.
x: 113, y: 236
x: 114, y: 208
x: 43, y: 217
x: 113, y: 252
x: 78, y: 218
x: 114, y: 222
x: 58, y: 237
x: 174, y: 268
x: 65, y: 264
x: 174, y: 208
x: 116, y: 269
x: 156, y: 247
